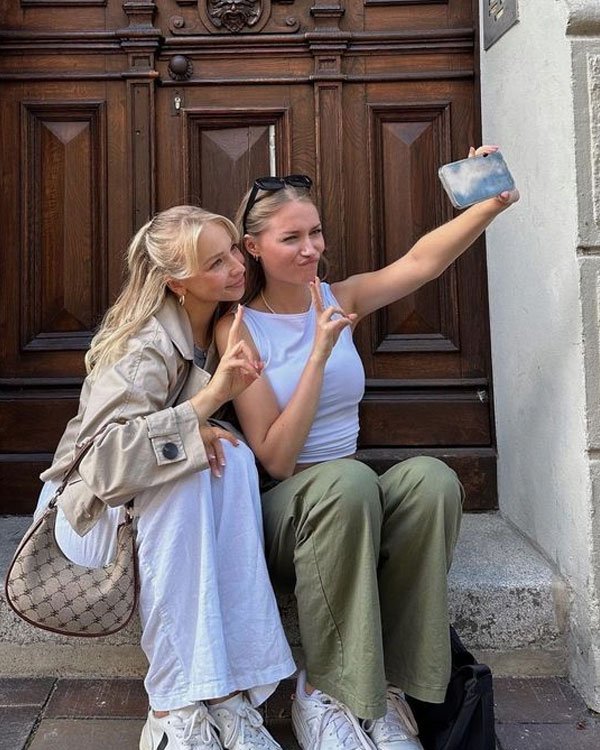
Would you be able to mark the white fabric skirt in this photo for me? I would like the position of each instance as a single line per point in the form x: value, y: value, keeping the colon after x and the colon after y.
x: 210, y: 623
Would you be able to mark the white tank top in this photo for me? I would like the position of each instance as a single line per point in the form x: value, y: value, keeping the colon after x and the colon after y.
x: 284, y: 343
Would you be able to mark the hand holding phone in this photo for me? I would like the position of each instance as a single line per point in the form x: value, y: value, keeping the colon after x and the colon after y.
x: 475, y: 179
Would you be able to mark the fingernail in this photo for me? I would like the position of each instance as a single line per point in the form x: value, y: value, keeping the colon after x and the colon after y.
x: 222, y: 462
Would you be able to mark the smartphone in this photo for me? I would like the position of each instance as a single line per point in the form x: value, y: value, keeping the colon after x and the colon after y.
x: 470, y: 181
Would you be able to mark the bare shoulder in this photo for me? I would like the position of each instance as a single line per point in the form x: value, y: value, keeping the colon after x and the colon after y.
x: 223, y: 326
x: 223, y: 330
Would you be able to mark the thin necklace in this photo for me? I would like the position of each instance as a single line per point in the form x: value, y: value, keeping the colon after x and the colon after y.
x: 267, y: 305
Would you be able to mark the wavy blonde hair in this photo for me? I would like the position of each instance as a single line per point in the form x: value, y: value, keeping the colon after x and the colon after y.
x: 267, y: 204
x: 164, y: 248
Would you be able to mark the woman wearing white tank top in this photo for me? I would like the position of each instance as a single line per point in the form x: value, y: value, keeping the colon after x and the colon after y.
x: 367, y: 555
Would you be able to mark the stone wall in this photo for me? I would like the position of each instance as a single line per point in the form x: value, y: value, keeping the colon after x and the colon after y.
x: 540, y: 95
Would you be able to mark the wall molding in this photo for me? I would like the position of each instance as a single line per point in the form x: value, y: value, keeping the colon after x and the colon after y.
x: 14, y: 42
x: 583, y: 17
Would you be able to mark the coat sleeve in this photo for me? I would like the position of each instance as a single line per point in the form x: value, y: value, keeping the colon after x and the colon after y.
x: 145, y: 443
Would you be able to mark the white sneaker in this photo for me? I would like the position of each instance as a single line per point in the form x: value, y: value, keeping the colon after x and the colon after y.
x: 240, y: 725
x: 190, y: 728
x: 397, y: 730
x: 322, y: 723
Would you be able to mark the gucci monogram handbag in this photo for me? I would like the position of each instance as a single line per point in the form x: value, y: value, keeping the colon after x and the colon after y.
x: 49, y: 591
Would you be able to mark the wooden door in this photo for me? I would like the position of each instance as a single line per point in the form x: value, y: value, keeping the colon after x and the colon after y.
x: 188, y: 102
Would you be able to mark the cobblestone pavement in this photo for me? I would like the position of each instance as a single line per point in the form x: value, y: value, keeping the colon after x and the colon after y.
x: 67, y: 714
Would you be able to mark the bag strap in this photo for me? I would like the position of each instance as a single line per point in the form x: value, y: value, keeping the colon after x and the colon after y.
x: 77, y: 459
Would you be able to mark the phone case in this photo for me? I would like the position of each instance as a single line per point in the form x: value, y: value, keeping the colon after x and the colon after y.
x: 470, y: 181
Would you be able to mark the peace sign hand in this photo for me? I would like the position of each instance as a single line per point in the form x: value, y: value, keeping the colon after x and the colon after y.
x: 238, y: 367
x: 328, y: 327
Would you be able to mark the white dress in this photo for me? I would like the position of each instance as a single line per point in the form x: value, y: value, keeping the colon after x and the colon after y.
x: 210, y: 623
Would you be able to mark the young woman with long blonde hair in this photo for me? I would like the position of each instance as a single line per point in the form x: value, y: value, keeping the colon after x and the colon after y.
x: 210, y: 626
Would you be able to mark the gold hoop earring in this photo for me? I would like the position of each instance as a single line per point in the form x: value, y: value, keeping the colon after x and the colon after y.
x: 181, y: 299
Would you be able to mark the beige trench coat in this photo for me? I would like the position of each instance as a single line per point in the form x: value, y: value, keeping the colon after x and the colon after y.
x: 148, y: 429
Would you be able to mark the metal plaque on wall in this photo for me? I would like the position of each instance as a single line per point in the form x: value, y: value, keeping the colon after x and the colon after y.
x: 498, y: 17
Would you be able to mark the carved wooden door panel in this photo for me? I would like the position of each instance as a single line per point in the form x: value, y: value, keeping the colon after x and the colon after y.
x: 111, y: 110
x: 58, y: 273
x: 76, y: 87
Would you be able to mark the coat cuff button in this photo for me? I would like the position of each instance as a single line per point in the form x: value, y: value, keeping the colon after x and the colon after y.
x: 170, y: 451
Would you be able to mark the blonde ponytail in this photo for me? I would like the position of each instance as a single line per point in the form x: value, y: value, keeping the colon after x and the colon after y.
x: 164, y: 248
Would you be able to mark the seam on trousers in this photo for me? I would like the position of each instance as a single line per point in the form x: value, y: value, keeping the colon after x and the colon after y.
x: 337, y: 630
x: 166, y: 621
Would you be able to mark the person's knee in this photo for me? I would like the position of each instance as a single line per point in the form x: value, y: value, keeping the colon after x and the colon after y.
x: 350, y: 491
x: 240, y: 465
x: 238, y: 454
x: 436, y: 485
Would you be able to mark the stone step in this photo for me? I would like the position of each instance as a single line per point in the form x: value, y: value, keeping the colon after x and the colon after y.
x: 506, y: 602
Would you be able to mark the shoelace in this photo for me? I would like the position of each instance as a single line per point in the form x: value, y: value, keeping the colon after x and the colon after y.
x: 345, y: 724
x: 197, y: 728
x: 244, y: 713
x: 398, y: 724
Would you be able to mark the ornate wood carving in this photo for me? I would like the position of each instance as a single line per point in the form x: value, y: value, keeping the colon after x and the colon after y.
x: 64, y: 284
x: 408, y: 143
x: 233, y: 17
x: 225, y: 16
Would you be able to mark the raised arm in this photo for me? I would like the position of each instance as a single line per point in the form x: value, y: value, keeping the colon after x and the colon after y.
x: 429, y: 257
x: 277, y: 436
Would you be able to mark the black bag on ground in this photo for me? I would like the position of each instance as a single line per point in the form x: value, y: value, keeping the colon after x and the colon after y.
x: 465, y: 720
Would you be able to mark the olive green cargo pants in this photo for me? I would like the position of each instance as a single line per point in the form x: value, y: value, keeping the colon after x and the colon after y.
x: 368, y: 557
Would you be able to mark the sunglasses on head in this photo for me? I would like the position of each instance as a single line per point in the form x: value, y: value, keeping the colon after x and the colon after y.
x: 272, y: 184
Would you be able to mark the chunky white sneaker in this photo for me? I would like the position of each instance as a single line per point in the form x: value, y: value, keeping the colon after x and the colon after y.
x: 322, y: 723
x: 397, y: 730
x: 240, y: 725
x: 190, y: 728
